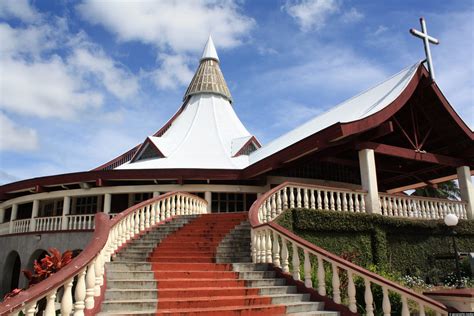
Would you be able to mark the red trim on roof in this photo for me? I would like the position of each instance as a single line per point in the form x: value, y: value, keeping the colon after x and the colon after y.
x: 247, y: 143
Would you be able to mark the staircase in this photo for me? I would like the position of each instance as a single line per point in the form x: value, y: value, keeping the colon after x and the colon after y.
x: 199, y: 265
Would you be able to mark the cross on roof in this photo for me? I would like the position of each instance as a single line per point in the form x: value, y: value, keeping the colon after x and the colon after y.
x: 426, y: 41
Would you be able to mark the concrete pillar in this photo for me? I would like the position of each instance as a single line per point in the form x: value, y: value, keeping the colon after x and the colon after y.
x: 208, y: 198
x: 13, y: 216
x: 107, y: 202
x: 34, y: 215
x: 66, y: 211
x: 467, y: 190
x: 156, y: 194
x: 2, y: 215
x: 368, y: 176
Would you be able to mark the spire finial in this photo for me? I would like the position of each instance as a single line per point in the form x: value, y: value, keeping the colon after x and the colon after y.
x: 209, y: 50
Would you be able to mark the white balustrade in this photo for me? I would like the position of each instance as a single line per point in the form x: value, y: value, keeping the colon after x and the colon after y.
x: 308, y: 196
x: 48, y: 223
x: 338, y: 266
x: 89, y: 277
x: 420, y: 207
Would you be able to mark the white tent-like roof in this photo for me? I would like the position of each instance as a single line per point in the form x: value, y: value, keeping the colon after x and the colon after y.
x: 207, y: 134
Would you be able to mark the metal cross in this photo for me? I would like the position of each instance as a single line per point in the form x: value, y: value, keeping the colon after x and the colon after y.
x: 426, y: 41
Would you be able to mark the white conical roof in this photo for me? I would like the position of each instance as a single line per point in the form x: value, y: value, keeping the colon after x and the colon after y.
x: 210, y: 50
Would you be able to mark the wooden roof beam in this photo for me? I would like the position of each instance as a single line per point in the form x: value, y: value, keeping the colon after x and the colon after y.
x: 412, y: 154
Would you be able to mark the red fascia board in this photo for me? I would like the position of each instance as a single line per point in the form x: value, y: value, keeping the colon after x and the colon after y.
x: 247, y: 143
x: 142, y: 147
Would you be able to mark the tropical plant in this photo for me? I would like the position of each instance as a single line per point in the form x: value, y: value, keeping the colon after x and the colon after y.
x: 50, y: 264
x: 446, y: 190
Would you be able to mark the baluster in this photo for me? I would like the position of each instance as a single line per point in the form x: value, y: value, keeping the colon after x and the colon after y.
x: 153, y: 214
x: 261, y: 248
x: 273, y: 206
x: 276, y: 250
x: 332, y: 201
x: 344, y: 201
x: 296, y: 262
x: 312, y: 200
x: 298, y: 198
x: 321, y: 277
x: 351, y: 292
x: 292, y: 197
x: 319, y: 200
x: 383, y: 205
x: 50, y: 308
x: 162, y: 211
x: 98, y: 273
x: 268, y: 246
x: 421, y: 309
x: 147, y: 216
x: 351, y: 202
x: 362, y: 203
x: 386, y: 302
x: 136, y: 215
x: 423, y: 208
x: 307, y: 270
x: 284, y: 255
x: 369, y: 300
x: 338, y: 201
x: 254, y: 245
x: 285, y: 199
x: 66, y: 299
x: 390, y: 207
x: 278, y: 203
x: 173, y: 205
x: 168, y: 208
x: 80, y: 294
x: 90, y: 285
x: 305, y: 198
x: 435, y: 210
x: 265, y: 212
x: 260, y: 214
x: 30, y: 309
x: 325, y: 200
x: 405, y: 309
x: 336, y: 283
x: 356, y: 204
x: 178, y: 205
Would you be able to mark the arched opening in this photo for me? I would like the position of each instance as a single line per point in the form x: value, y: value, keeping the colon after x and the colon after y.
x: 11, y: 272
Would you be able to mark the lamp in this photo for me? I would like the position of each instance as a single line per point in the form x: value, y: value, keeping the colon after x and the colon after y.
x: 451, y: 220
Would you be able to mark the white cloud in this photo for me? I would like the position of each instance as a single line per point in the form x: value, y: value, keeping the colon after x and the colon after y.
x: 113, y: 76
x: 30, y: 41
x: 16, y: 138
x: 44, y: 89
x: 352, y: 16
x: 311, y: 14
x: 181, y: 26
x: 173, y: 72
x: 20, y: 9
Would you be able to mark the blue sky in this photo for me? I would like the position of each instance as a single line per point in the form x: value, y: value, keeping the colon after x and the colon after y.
x: 83, y: 81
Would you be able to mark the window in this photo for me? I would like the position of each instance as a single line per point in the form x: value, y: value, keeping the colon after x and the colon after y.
x: 140, y: 197
x: 85, y: 205
x: 223, y: 202
x: 51, y: 208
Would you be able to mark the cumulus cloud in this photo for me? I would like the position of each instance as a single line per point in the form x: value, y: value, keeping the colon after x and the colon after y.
x: 16, y: 138
x: 352, y: 15
x: 311, y: 14
x: 176, y: 29
x: 173, y: 72
x: 116, y: 79
x: 176, y: 25
x: 20, y: 9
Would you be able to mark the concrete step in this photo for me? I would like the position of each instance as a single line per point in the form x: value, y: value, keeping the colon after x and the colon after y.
x: 264, y: 282
x: 132, y: 294
x: 130, y: 266
x: 132, y: 284
x: 129, y: 305
x: 138, y: 275
x: 242, y: 267
x: 256, y: 275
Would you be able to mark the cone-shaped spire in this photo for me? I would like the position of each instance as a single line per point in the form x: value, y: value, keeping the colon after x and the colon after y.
x: 208, y: 77
x: 210, y: 50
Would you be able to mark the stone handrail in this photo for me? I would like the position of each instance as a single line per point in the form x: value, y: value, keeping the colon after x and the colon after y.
x: 270, y: 243
x: 87, y: 269
x: 420, y: 207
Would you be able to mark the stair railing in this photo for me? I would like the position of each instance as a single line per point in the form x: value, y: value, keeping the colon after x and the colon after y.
x: 86, y: 272
x: 271, y: 243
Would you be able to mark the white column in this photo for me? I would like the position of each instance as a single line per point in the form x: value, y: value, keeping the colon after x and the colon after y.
x: 66, y: 211
x: 467, y: 190
x: 34, y: 215
x: 156, y: 194
x: 13, y: 216
x: 208, y: 198
x: 107, y: 202
x: 368, y: 176
x: 2, y: 215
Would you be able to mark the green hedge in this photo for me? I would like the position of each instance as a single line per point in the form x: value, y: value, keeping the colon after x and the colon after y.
x: 407, y: 246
